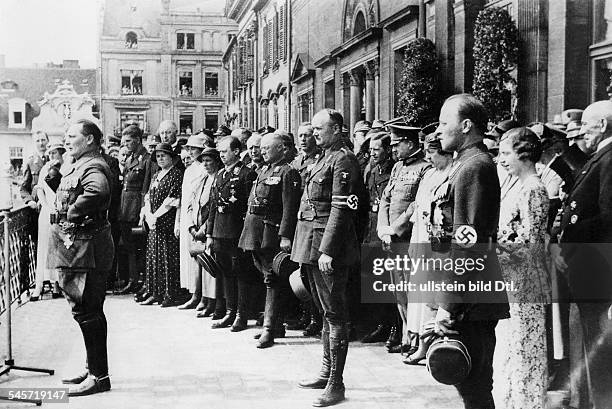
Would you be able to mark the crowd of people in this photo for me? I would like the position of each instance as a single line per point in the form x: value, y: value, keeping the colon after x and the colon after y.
x: 218, y: 224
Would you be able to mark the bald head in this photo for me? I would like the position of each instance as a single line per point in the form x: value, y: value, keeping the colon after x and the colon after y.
x: 272, y: 148
x: 596, y: 124
x: 254, y: 147
x: 167, y: 131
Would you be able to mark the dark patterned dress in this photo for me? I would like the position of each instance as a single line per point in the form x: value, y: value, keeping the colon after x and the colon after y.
x: 163, y: 257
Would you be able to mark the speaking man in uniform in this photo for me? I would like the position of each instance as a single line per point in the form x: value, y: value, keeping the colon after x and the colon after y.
x: 472, y: 204
x: 132, y: 195
x: 586, y: 234
x: 83, y: 249
x: 228, y: 199
x: 269, y: 225
x: 33, y: 167
x: 326, y: 246
x: 394, y: 213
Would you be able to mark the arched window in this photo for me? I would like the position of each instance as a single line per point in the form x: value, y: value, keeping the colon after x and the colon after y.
x: 360, y: 24
x: 131, y: 40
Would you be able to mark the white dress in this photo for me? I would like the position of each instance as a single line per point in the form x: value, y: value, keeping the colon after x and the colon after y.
x: 192, y: 180
x: 46, y: 198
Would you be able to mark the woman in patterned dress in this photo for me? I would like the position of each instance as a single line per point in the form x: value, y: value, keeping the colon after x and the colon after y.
x: 521, y: 370
x: 162, y: 259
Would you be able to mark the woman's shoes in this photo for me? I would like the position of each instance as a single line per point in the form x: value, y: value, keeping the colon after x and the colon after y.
x: 168, y: 302
x: 202, y: 304
x: 209, y: 310
x: 414, y: 359
x: 150, y: 301
x: 190, y: 304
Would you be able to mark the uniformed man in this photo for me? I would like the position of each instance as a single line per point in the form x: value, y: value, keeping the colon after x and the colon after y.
x: 269, y: 225
x: 83, y: 249
x: 113, y: 211
x: 311, y: 323
x: 376, y: 182
x: 471, y: 205
x: 394, y: 210
x: 228, y: 198
x: 326, y: 245
x: 33, y: 167
x: 132, y: 196
x: 586, y: 234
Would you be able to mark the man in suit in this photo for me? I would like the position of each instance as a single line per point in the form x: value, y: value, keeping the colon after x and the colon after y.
x: 471, y: 204
x: 586, y: 234
x: 228, y: 199
x: 269, y: 226
x: 394, y: 211
x: 33, y: 167
x: 131, y: 202
x: 326, y: 246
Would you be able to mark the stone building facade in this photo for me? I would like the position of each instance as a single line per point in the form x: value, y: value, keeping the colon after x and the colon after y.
x: 162, y: 60
x: 348, y: 54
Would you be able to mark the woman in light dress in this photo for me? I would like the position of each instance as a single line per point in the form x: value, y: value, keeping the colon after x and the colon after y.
x: 434, y: 183
x: 48, y: 181
x: 520, y: 375
x: 193, y: 179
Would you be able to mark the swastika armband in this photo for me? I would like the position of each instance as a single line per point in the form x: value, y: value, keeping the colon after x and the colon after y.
x: 350, y: 202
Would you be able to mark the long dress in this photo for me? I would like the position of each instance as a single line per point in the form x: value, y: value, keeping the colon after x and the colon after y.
x: 433, y: 182
x: 46, y: 198
x: 192, y: 180
x: 162, y: 260
x: 199, y: 210
x: 520, y: 376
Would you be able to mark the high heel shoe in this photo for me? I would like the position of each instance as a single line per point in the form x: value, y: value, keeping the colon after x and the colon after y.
x: 150, y: 301
x: 209, y: 310
x: 202, y: 304
x: 190, y: 304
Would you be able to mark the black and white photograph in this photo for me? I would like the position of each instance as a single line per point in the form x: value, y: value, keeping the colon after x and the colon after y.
x: 271, y: 204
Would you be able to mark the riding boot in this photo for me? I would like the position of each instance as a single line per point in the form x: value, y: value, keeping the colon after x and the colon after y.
x: 240, y: 323
x: 321, y: 380
x: 231, y: 299
x: 314, y: 328
x: 338, y: 348
x: 94, y: 331
x: 266, y: 339
x: 220, y: 299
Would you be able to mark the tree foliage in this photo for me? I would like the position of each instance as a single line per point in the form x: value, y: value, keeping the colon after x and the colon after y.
x: 418, y: 92
x: 495, y: 56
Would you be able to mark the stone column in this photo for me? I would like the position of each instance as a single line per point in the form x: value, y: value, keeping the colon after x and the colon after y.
x: 346, y: 97
x: 370, y: 91
x: 355, y: 97
x: 465, y: 19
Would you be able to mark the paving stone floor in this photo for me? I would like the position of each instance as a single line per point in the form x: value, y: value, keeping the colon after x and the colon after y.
x: 166, y: 358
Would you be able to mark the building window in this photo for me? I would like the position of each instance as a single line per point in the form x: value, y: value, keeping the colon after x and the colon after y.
x: 132, y: 118
x: 16, y: 159
x: 131, y: 40
x: 186, y: 83
x: 211, y: 83
x: 185, y: 41
x: 360, y: 24
x: 211, y: 120
x: 304, y: 107
x: 18, y: 118
x: 330, y: 94
x: 131, y: 82
x: 17, y: 110
x: 186, y: 123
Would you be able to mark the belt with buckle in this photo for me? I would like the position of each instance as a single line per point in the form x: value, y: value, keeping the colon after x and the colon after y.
x: 258, y: 209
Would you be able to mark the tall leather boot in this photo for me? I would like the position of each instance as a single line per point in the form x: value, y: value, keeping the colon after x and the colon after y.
x: 338, y: 348
x: 240, y: 323
x: 219, y: 299
x: 266, y: 339
x: 231, y: 298
x: 316, y: 323
x: 320, y: 382
x: 94, y: 331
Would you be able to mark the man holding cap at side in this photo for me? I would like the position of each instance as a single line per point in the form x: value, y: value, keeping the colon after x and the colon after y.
x: 394, y: 213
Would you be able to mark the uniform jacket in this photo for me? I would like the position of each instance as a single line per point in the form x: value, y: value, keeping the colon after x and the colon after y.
x: 115, y: 184
x: 587, y: 218
x: 473, y: 200
x: 132, y: 192
x: 304, y: 163
x: 272, y: 209
x: 326, y: 217
x: 394, y: 209
x: 376, y: 182
x: 30, y: 176
x: 228, y: 200
x: 82, y: 240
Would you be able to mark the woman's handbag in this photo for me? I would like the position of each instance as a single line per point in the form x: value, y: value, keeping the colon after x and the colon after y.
x: 196, y: 247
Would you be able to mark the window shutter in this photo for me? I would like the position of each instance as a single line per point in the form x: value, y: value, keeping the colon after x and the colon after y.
x: 266, y: 51
x: 275, y: 56
x: 282, y: 34
x: 270, y: 44
x: 250, y: 59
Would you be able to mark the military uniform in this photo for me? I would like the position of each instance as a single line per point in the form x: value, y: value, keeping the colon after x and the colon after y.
x: 304, y: 163
x: 82, y: 245
x: 131, y: 202
x: 30, y: 176
x: 586, y: 234
x: 376, y: 181
x: 271, y: 214
x: 326, y: 225
x: 229, y: 199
